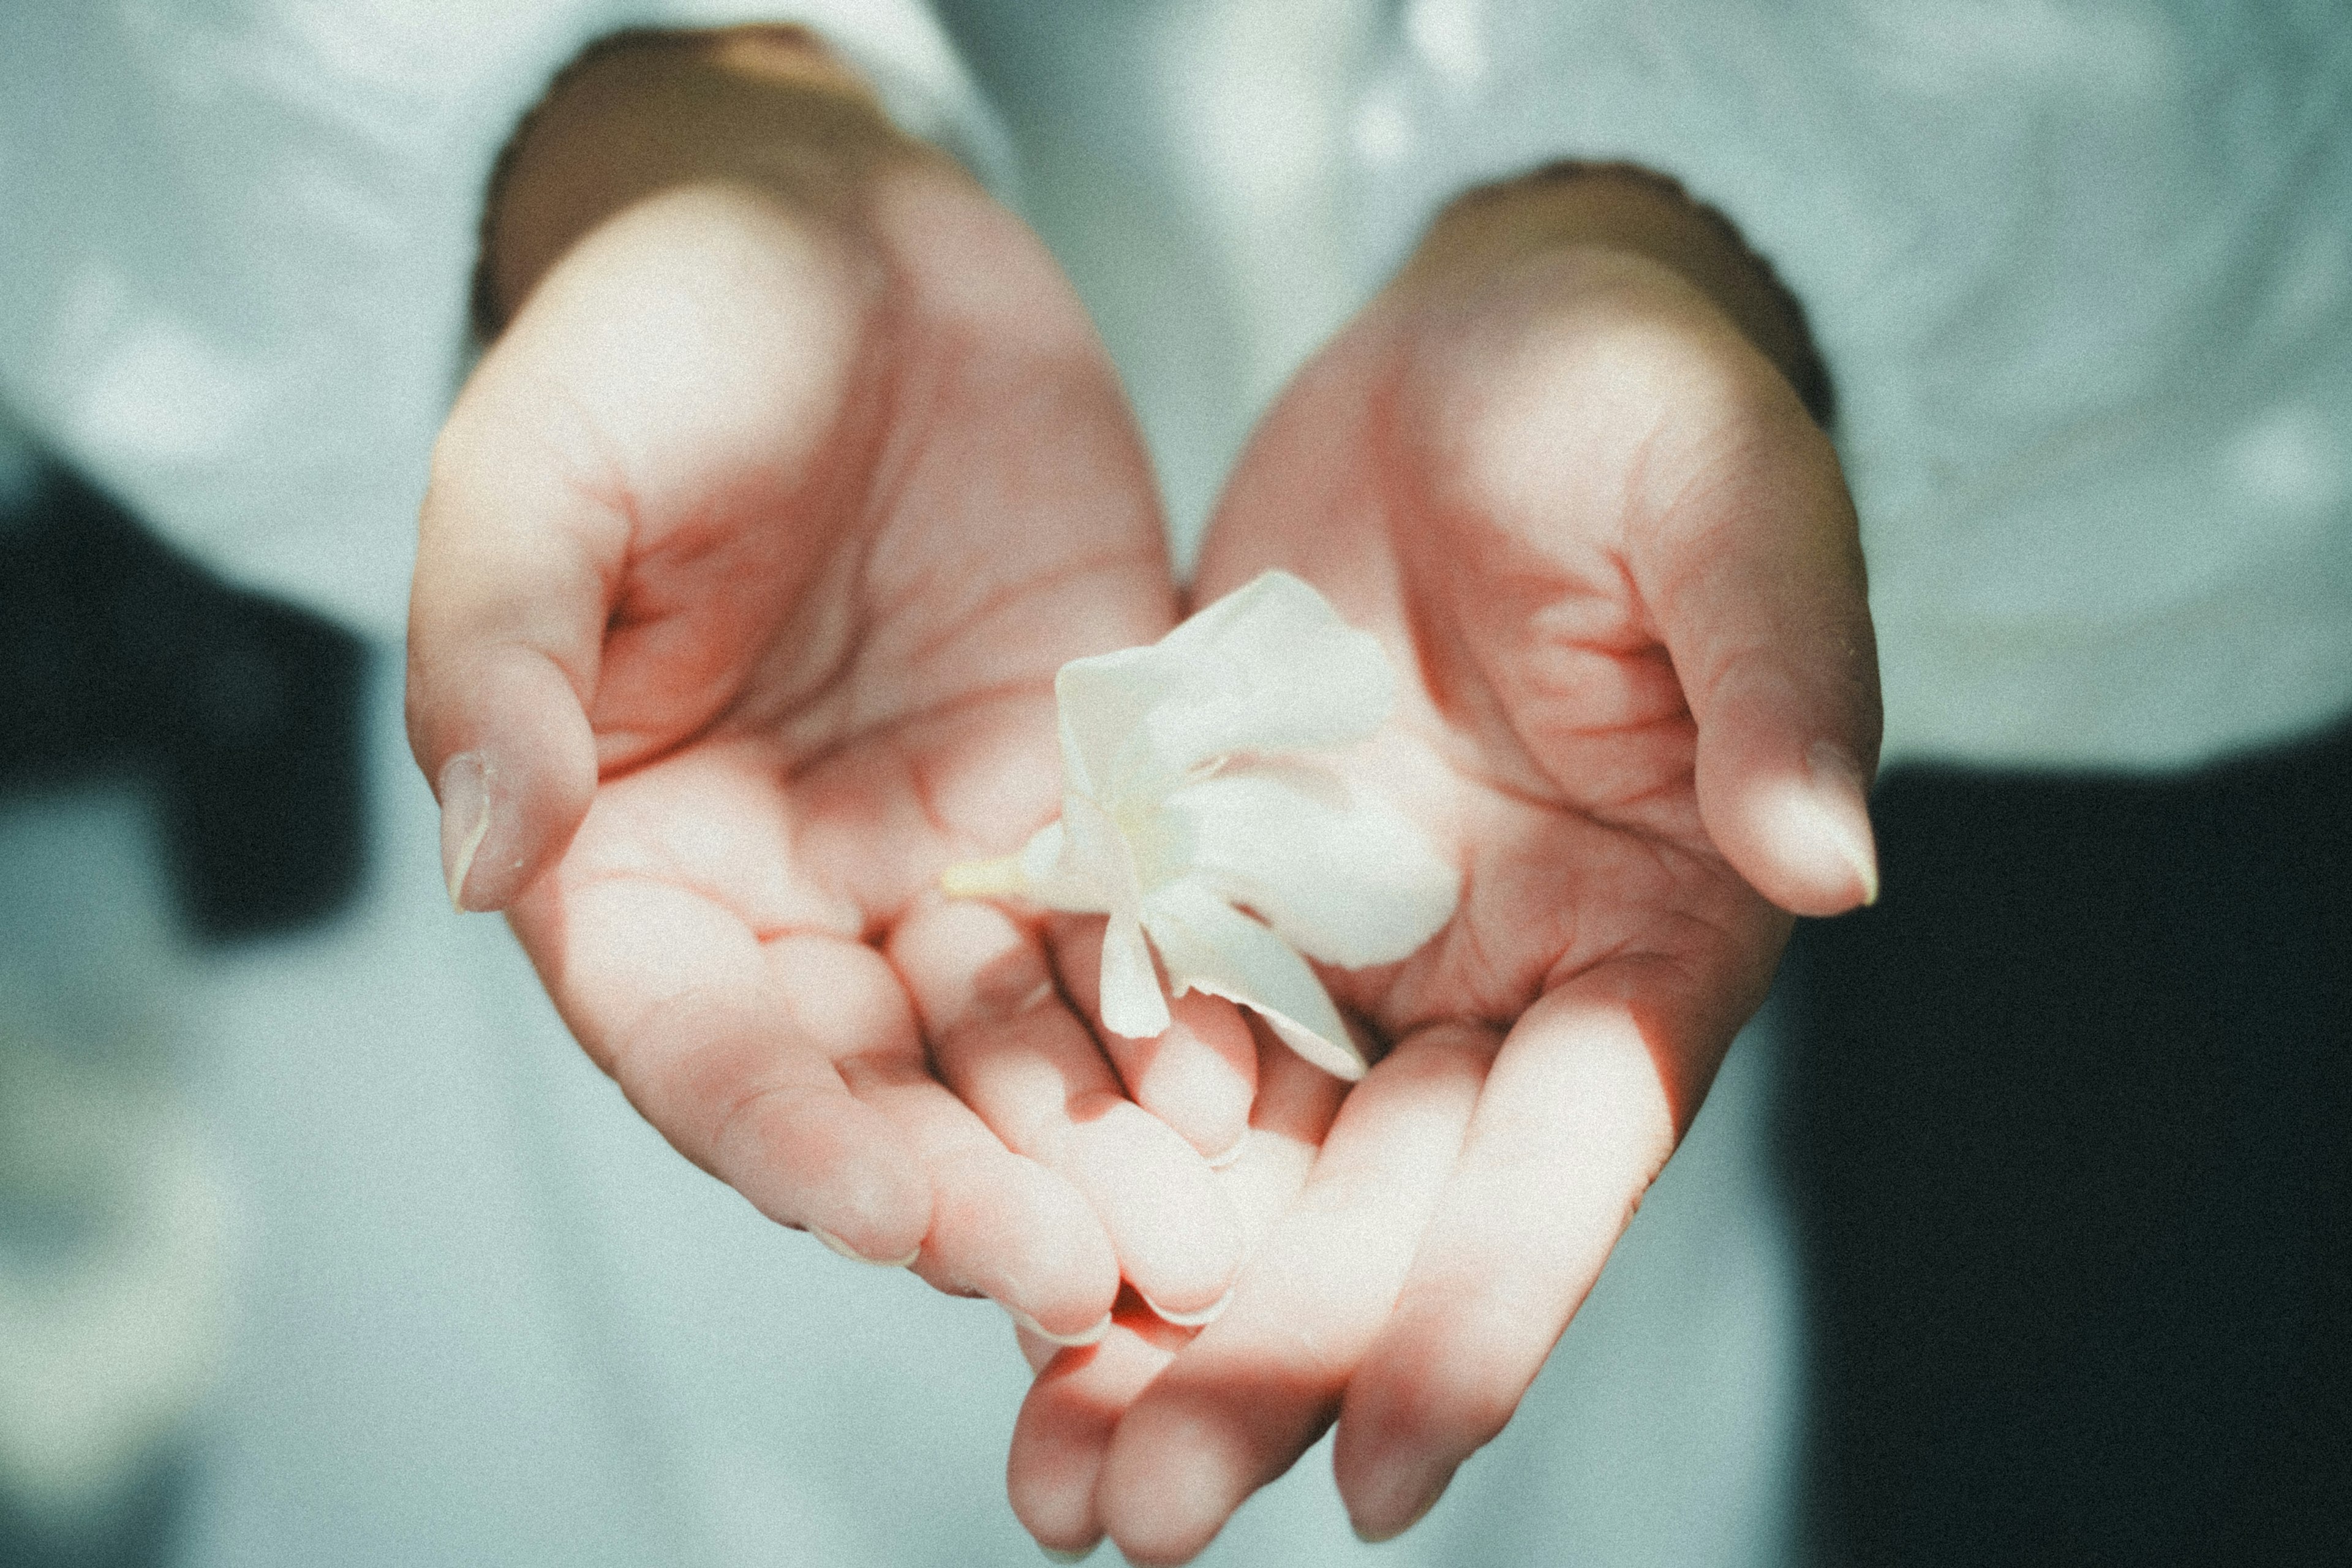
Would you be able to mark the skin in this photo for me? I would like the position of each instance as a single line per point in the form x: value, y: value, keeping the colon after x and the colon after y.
x: 1553, y: 468
x: 750, y: 551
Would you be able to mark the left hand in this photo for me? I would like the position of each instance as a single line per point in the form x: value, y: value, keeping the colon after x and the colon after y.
x: 1616, y: 564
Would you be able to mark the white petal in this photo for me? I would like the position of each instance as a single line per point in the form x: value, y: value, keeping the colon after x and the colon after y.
x: 1269, y: 667
x: 1091, y: 873
x: 1209, y: 945
x: 1342, y: 875
x: 1081, y: 863
x: 1132, y: 1003
x: 1097, y: 869
x: 1048, y: 874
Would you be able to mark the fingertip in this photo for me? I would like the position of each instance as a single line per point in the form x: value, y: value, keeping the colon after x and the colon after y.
x: 1031, y: 1329
x: 1199, y: 1077
x: 1783, y: 791
x: 1036, y: 1348
x: 1841, y: 799
x: 1178, y: 1236
x: 838, y: 1244
x: 883, y: 1225
x: 1386, y: 1508
x: 1066, y: 1427
x: 1018, y: 1234
x: 1199, y: 1319
x: 1388, y: 1479
x: 1050, y: 1467
x: 1807, y: 836
x: 1174, y: 1474
x: 464, y: 791
x: 516, y: 787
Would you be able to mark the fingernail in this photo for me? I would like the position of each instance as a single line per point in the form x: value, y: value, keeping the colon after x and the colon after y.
x: 1415, y: 1492
x: 1837, y: 777
x: 1053, y: 1556
x: 1083, y: 1337
x: 1206, y: 1315
x: 855, y: 1256
x: 465, y: 792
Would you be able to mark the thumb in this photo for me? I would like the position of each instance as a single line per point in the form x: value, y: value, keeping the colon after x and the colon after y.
x: 506, y: 623
x: 1755, y: 571
x: 701, y: 339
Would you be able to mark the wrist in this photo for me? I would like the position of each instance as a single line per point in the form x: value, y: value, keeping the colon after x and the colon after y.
x: 1630, y: 210
x: 765, y: 109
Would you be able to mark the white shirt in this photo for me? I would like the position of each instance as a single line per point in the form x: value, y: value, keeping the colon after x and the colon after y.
x: 2082, y: 274
x: 238, y: 233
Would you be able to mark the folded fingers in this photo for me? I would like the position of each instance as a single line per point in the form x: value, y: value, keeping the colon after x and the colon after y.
x: 792, y: 1069
x: 1584, y: 1104
x: 1199, y: 1076
x: 1008, y: 1046
x: 673, y: 995
x: 1238, y: 1405
x: 1074, y: 1407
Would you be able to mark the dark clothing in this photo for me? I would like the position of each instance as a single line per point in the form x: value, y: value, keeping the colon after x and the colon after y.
x: 2070, y: 1133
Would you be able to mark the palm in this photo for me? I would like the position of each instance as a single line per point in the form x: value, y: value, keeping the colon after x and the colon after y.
x: 819, y: 687
x: 1543, y: 726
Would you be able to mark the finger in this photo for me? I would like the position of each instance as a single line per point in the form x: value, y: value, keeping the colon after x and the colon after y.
x: 1002, y: 1226
x: 1754, y: 569
x: 1297, y: 1103
x: 1239, y: 1405
x: 672, y: 995
x: 506, y: 619
x: 1008, y: 1046
x: 1199, y: 1076
x: 1067, y: 1422
x: 1579, y: 1113
x: 1073, y: 1409
x: 685, y: 364
x: 1038, y: 1350
x: 792, y: 1070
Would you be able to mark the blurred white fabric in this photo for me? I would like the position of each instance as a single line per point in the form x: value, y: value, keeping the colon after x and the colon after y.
x: 2082, y: 271
x: 117, y: 1235
x: 240, y: 234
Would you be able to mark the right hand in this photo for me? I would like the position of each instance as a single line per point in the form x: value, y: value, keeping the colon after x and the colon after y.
x: 751, y: 551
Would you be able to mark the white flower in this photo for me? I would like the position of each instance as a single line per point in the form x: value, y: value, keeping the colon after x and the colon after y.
x: 1184, y: 795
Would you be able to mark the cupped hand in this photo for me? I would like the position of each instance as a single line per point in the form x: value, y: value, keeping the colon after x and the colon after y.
x: 1616, y: 563
x: 751, y: 548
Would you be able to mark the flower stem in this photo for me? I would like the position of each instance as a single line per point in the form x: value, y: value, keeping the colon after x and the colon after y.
x: 997, y: 878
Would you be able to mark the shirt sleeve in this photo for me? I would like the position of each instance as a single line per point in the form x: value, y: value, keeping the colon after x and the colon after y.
x: 239, y: 235
x: 2083, y: 277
